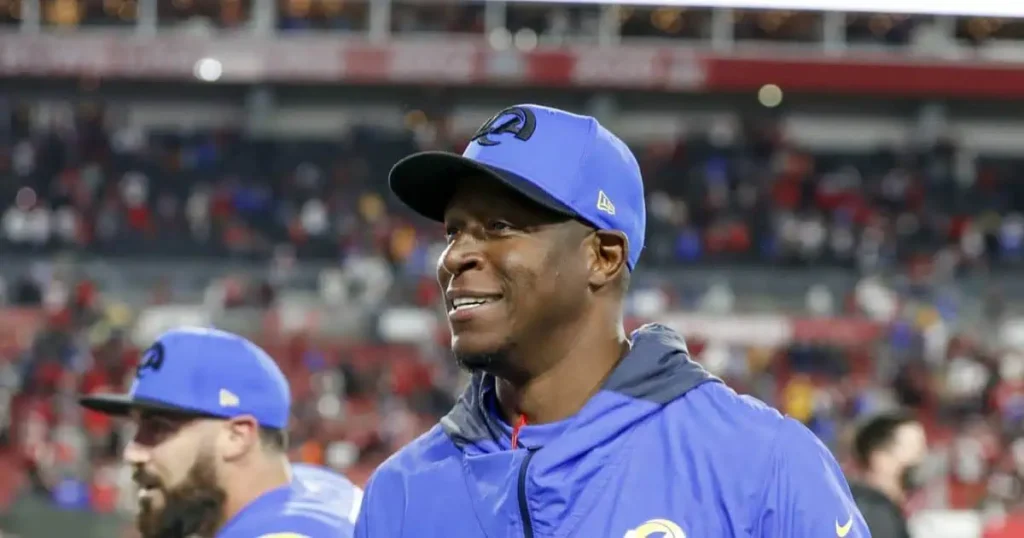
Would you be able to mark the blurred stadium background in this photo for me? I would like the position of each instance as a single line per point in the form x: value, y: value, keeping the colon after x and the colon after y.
x: 836, y: 216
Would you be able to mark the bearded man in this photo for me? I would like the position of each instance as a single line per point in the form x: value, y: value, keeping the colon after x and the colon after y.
x: 209, y: 455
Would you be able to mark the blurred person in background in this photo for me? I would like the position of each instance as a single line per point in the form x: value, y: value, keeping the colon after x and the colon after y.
x: 209, y: 454
x: 889, y: 448
x: 569, y: 424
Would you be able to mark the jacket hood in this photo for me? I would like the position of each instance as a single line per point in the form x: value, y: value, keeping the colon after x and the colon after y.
x: 568, y: 464
x: 657, y: 370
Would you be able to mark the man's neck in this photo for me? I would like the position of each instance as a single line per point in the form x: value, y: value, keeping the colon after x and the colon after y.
x: 890, y: 488
x: 254, y: 481
x: 578, y: 367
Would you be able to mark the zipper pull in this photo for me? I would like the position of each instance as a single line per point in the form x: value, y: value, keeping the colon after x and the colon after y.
x: 515, y: 431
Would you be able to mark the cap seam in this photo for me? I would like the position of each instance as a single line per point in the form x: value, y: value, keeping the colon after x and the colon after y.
x: 584, y: 155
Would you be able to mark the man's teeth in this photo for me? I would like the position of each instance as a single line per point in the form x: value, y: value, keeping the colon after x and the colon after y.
x: 464, y: 303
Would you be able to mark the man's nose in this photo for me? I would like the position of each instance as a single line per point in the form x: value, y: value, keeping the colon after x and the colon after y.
x: 135, y: 454
x: 463, y: 254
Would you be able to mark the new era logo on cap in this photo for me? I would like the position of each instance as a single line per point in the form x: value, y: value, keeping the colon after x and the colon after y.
x: 604, y: 203
x: 228, y: 398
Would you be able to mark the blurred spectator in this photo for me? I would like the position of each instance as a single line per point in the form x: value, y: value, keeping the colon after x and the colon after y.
x: 890, y: 449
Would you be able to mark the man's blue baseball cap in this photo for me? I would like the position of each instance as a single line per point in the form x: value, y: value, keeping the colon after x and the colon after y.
x: 204, y: 372
x: 565, y: 162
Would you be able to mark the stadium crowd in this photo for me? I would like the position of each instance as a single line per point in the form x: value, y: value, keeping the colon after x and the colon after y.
x: 550, y: 23
x: 719, y: 198
x: 732, y: 194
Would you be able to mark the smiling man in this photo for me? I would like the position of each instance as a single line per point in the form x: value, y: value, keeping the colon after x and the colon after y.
x: 210, y: 451
x: 571, y: 427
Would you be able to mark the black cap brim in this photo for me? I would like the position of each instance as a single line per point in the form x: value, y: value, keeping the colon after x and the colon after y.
x: 427, y: 181
x: 120, y: 405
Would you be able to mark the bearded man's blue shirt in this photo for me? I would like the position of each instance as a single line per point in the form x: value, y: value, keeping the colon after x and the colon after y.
x: 318, y: 503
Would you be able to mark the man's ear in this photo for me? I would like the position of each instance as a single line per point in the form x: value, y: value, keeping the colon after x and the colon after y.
x: 609, y: 260
x: 238, y: 437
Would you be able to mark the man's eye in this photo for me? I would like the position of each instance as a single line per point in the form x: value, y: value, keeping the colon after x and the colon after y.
x: 499, y: 226
x: 153, y: 432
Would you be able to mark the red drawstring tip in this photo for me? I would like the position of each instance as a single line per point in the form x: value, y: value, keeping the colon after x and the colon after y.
x: 515, y: 431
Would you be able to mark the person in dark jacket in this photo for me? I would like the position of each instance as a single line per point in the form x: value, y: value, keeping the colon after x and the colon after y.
x: 571, y: 427
x: 889, y: 449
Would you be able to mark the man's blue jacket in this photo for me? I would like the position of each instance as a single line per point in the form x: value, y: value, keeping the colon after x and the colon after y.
x: 664, y: 450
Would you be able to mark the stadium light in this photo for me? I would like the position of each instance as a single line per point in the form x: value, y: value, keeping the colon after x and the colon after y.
x: 208, y: 69
x: 977, y: 8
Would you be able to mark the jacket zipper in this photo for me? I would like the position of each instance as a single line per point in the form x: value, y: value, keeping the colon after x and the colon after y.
x: 524, y: 511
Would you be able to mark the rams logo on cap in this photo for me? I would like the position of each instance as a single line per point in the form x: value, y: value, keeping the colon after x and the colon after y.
x: 517, y: 120
x: 152, y: 360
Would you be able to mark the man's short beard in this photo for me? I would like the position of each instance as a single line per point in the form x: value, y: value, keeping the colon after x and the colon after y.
x: 497, y: 362
x: 479, y: 362
x: 193, y: 508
